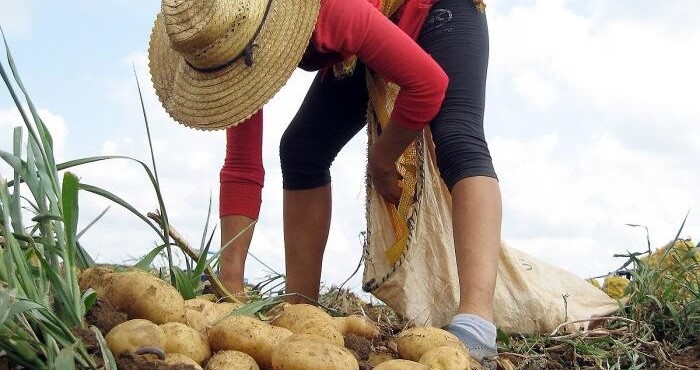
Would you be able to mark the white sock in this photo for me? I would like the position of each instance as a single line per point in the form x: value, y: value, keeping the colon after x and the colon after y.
x: 476, y: 333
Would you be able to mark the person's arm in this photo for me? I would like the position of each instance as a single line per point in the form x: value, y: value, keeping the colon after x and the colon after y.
x: 356, y: 27
x: 241, y: 182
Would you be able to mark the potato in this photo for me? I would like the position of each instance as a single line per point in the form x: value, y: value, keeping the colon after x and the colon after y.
x: 401, y: 365
x: 134, y: 334
x: 245, y: 334
x: 306, y: 352
x: 446, y: 358
x: 200, y: 313
x: 231, y: 360
x: 137, y: 293
x: 198, y: 304
x: 377, y: 357
x: 358, y: 325
x: 414, y: 342
x: 293, y: 314
x: 180, y: 359
x: 196, y: 320
x: 321, y: 327
x: 308, y: 319
x: 180, y: 338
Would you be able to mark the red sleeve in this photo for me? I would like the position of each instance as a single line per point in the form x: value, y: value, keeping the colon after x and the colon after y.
x: 242, y: 176
x: 356, y: 27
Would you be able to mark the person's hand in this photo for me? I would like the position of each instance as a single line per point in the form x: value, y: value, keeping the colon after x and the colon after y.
x: 382, y: 159
x: 383, y: 174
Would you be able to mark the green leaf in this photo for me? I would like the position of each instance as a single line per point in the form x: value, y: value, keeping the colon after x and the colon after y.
x: 110, y: 363
x: 183, y: 283
x: 502, y: 337
x: 89, y: 298
x: 66, y: 359
x: 147, y: 260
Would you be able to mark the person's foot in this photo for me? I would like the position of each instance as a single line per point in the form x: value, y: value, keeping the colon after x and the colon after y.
x: 477, y: 334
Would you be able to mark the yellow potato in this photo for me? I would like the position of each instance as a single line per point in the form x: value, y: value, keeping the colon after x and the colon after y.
x: 293, y: 314
x: 414, y: 342
x: 180, y: 359
x: 358, y: 325
x: 201, y: 314
x: 134, y: 334
x: 376, y: 358
x: 446, y: 358
x: 231, y: 360
x: 321, y: 327
x: 137, y: 293
x: 401, y: 365
x: 196, y: 320
x: 245, y: 334
x: 198, y: 304
x: 306, y: 352
x: 182, y: 339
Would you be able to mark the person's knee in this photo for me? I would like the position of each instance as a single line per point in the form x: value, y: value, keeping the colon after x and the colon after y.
x: 301, y: 168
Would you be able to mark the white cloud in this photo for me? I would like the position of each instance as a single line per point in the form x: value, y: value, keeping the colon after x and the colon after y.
x: 572, y: 210
x: 15, y: 16
x: 535, y: 89
x: 644, y: 68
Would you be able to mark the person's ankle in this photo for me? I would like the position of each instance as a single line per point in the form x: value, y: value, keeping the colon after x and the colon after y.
x: 477, y: 333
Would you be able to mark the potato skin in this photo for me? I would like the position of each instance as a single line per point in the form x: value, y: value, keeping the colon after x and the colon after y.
x: 401, y: 365
x: 293, y: 314
x: 320, y: 327
x: 134, y: 334
x: 358, y: 325
x: 414, y: 342
x: 180, y: 338
x: 306, y: 352
x: 308, y: 319
x: 376, y: 358
x: 178, y: 358
x: 137, y: 293
x: 231, y: 360
x: 446, y: 358
x: 201, y: 314
x: 245, y: 334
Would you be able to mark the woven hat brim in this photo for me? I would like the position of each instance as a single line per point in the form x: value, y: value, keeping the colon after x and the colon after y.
x: 221, y: 99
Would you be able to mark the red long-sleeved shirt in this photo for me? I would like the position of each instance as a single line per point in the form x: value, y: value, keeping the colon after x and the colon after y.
x: 344, y: 28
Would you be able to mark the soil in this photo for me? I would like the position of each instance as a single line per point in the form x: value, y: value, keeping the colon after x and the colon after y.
x: 688, y: 357
x: 104, y: 315
x: 89, y: 339
x: 130, y: 361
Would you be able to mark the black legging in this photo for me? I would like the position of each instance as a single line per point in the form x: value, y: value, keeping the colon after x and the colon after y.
x: 456, y: 35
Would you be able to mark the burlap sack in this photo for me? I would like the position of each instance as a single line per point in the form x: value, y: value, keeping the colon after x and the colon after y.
x: 410, y: 260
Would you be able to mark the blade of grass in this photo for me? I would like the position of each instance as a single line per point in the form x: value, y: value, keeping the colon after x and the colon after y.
x: 164, y: 224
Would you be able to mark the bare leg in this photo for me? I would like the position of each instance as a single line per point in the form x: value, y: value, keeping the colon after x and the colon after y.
x: 307, y: 218
x: 233, y: 258
x: 476, y: 219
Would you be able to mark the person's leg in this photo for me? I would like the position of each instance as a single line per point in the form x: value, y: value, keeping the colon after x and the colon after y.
x: 331, y: 114
x: 233, y: 258
x: 241, y: 182
x: 456, y: 35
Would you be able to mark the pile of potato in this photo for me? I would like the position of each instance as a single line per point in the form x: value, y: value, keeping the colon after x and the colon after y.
x: 201, y: 333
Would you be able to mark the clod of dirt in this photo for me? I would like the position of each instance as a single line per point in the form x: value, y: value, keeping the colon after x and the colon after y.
x: 149, y: 361
x: 104, y: 315
x: 89, y: 339
x: 358, y: 345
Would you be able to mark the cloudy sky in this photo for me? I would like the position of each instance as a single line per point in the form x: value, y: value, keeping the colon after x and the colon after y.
x: 592, y: 117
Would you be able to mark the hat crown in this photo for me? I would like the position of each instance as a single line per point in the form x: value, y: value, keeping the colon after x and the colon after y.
x: 209, y: 33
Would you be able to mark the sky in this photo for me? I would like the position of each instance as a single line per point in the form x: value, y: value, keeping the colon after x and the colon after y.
x: 592, y: 118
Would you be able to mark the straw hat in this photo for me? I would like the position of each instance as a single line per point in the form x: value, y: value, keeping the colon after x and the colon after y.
x: 214, y: 63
